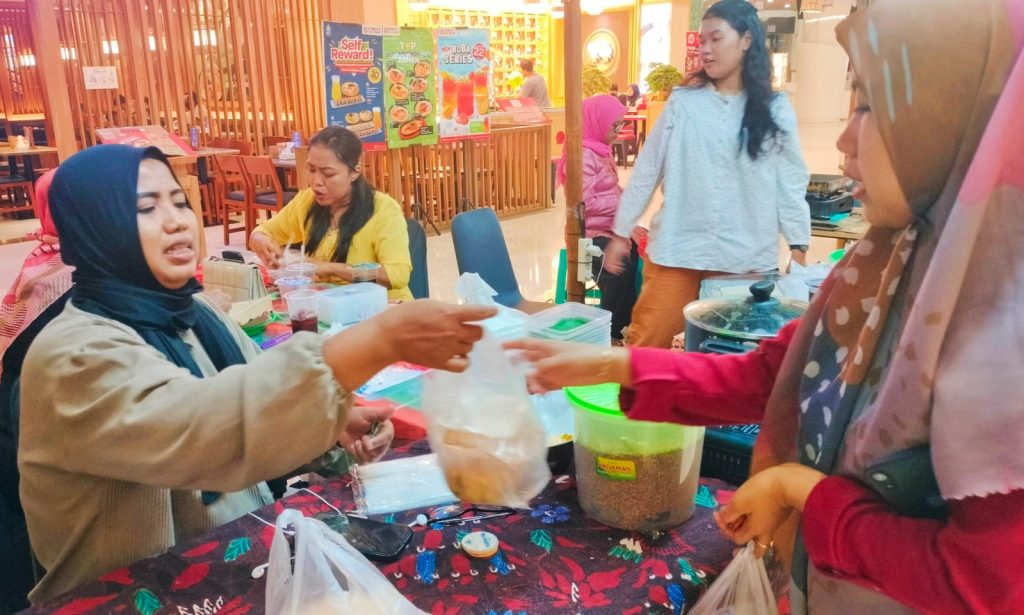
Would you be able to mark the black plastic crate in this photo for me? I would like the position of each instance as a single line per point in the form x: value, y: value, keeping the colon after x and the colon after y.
x: 727, y: 452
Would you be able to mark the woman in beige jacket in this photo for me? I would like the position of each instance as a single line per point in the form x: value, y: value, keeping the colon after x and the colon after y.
x: 146, y: 416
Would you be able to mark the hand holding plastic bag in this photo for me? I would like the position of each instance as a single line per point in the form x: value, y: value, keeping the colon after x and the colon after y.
x: 482, y: 426
x: 329, y: 576
x: 743, y: 588
x: 507, y: 324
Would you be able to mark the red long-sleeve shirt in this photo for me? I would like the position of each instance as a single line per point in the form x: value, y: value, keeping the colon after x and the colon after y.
x: 971, y: 563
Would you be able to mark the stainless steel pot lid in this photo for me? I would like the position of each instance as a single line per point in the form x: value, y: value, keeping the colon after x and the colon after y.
x: 756, y: 317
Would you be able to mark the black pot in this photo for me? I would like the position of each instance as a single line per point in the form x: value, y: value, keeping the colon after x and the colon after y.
x: 735, y: 326
x: 561, y: 458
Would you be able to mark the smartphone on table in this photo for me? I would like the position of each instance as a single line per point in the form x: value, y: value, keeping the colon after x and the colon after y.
x: 377, y: 540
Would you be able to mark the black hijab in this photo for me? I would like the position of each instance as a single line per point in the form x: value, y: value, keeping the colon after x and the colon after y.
x: 94, y: 206
x: 93, y: 202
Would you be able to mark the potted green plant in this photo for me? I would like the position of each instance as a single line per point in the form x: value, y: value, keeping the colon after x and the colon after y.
x: 595, y: 82
x: 661, y: 80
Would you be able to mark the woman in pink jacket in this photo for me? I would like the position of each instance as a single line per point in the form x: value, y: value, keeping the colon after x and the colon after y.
x: 602, y: 120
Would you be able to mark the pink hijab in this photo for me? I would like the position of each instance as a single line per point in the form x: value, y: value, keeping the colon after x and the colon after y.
x: 43, y: 277
x: 599, y: 113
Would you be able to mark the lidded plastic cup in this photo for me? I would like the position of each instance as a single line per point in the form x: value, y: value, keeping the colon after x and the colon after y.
x: 633, y: 475
x: 365, y: 272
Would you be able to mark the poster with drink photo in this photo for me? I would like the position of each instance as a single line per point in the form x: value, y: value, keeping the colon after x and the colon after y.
x: 464, y: 63
x: 693, y: 61
x: 355, y: 81
x: 410, y: 94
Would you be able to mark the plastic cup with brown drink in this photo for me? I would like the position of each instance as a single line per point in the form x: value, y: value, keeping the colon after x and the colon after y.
x: 302, y: 310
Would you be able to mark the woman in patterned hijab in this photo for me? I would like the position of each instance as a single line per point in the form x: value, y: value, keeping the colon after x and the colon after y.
x: 908, y: 374
x: 889, y: 469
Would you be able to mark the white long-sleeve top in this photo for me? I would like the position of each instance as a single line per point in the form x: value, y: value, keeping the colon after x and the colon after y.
x: 722, y: 211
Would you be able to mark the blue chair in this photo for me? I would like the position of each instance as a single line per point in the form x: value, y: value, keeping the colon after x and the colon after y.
x: 419, y: 284
x: 480, y: 248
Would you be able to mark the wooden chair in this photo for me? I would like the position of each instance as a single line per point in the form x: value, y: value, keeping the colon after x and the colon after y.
x: 625, y: 143
x: 244, y: 147
x: 234, y: 194
x: 268, y: 194
x: 222, y: 142
x: 17, y: 194
x: 273, y: 140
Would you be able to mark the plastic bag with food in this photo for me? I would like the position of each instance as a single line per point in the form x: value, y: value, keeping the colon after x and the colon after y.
x: 743, y: 588
x: 329, y: 576
x: 482, y: 426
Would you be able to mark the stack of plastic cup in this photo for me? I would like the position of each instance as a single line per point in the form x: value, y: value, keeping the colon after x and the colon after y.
x: 292, y: 283
x: 277, y: 274
x: 573, y: 322
x: 306, y: 270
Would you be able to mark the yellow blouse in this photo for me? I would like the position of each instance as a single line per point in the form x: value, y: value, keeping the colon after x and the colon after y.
x: 384, y: 239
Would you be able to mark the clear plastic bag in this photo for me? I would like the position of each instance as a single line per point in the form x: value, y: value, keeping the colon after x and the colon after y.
x: 743, y: 588
x: 482, y: 426
x: 400, y: 484
x: 508, y: 323
x: 329, y: 576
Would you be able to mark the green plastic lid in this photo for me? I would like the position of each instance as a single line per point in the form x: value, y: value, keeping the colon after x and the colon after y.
x: 837, y: 256
x: 600, y: 398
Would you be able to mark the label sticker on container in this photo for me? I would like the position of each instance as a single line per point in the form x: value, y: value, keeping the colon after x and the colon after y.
x: 615, y: 469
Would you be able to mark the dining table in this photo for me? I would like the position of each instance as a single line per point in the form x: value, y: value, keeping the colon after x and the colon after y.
x: 639, y: 122
x: 844, y: 228
x: 552, y: 558
x: 26, y: 154
x: 201, y: 156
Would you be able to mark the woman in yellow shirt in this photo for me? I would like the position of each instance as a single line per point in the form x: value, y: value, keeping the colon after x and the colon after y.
x: 340, y: 219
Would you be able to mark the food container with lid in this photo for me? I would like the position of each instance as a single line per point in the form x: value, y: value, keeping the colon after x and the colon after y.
x: 573, y: 322
x: 737, y: 325
x: 633, y: 475
x: 351, y: 303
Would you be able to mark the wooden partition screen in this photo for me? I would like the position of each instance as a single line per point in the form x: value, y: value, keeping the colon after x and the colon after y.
x: 513, y: 169
x: 510, y: 173
x: 20, y: 92
x: 242, y: 69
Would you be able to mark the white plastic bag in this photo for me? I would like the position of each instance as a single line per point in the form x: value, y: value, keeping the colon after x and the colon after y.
x: 743, y: 588
x: 507, y: 324
x: 329, y: 577
x: 797, y: 283
x: 482, y: 426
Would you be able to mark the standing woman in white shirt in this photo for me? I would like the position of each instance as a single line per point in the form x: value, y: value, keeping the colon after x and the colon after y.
x: 727, y: 155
